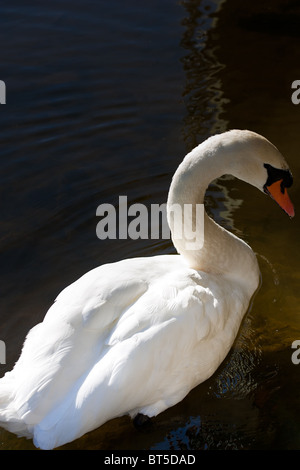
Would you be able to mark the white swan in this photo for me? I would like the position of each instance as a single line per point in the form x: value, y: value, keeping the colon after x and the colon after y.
x: 137, y: 335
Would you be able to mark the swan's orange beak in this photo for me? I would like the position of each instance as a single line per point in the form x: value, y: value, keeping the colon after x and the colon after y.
x: 279, y: 193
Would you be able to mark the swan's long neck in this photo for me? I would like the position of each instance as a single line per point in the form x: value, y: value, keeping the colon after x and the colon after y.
x: 221, y: 251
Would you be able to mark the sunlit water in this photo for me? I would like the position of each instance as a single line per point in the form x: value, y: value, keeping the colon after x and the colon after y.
x: 104, y: 99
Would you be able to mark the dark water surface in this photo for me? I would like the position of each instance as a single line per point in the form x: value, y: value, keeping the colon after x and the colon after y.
x: 104, y: 98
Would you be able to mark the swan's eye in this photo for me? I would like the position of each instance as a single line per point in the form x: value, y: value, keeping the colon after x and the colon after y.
x: 275, y: 186
x: 277, y: 174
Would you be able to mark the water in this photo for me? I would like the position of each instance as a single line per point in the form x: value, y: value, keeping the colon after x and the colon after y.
x: 104, y: 99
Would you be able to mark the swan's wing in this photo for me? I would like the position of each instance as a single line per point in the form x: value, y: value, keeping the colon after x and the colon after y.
x: 66, y: 344
x: 165, y: 343
x: 145, y: 364
x: 117, y: 341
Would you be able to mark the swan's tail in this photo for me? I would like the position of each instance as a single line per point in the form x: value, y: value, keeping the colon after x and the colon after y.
x: 10, y: 418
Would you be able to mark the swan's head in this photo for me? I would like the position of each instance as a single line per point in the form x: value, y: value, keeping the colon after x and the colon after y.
x: 258, y: 162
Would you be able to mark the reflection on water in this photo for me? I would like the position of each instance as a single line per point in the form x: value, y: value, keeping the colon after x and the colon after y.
x: 203, y: 94
x: 104, y: 101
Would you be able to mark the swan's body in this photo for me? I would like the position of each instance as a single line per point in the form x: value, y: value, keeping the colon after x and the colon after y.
x: 136, y: 336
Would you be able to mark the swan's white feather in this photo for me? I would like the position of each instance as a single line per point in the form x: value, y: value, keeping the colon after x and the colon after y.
x: 105, y: 335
